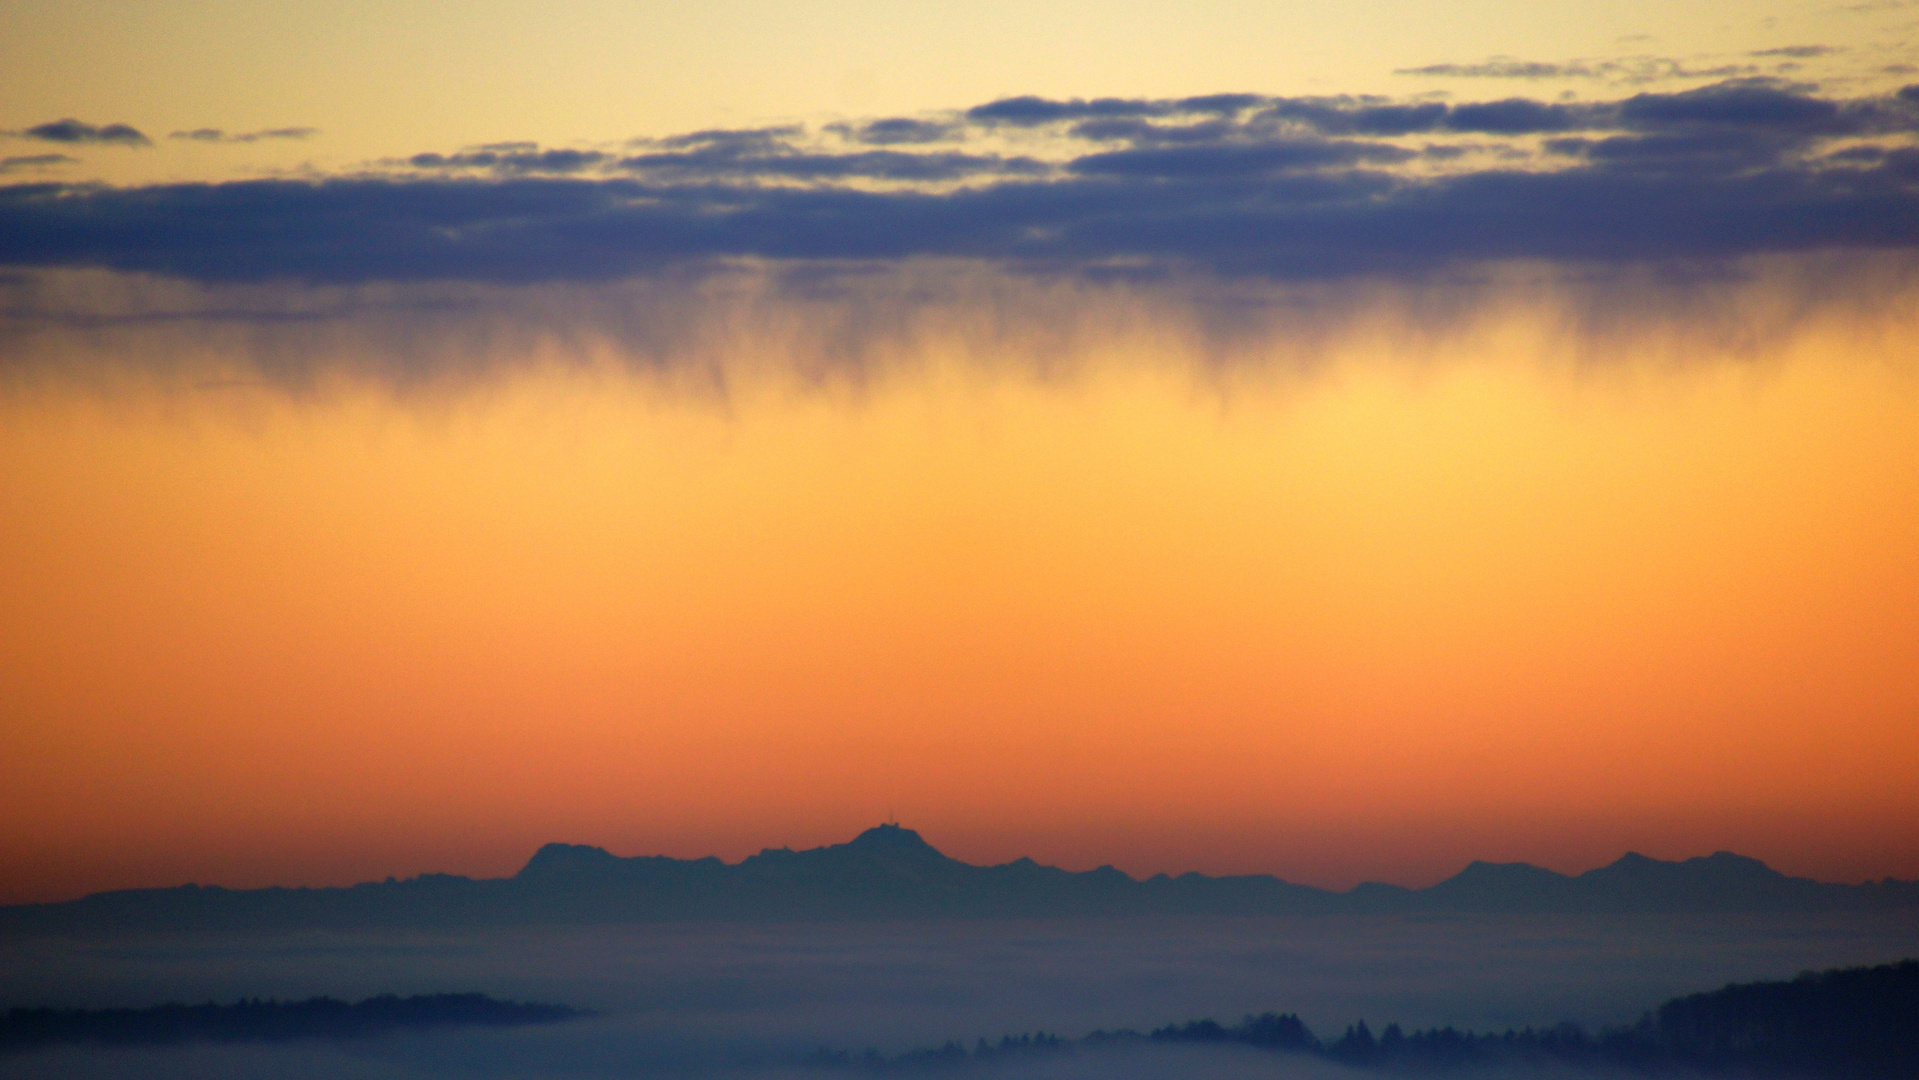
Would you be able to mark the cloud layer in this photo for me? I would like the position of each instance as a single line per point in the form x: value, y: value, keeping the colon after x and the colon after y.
x: 1232, y: 185
x: 710, y: 1002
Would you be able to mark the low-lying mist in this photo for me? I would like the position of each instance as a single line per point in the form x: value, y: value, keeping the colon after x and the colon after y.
x: 758, y: 1000
x: 578, y: 1055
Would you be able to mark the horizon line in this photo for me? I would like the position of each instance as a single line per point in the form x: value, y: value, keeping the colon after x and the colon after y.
x: 885, y: 826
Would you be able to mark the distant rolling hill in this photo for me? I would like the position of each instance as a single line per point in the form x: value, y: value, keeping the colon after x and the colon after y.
x: 889, y: 872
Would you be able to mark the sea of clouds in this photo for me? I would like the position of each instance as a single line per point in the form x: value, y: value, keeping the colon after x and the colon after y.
x: 725, y: 1001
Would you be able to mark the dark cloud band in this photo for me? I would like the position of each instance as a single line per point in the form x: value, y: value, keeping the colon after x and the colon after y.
x: 1231, y: 185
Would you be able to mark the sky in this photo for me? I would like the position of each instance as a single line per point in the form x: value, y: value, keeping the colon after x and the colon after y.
x: 1339, y: 441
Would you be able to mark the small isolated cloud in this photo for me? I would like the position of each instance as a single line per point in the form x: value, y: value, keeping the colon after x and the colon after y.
x: 1633, y: 69
x: 734, y: 140
x: 76, y: 131
x: 35, y: 161
x: 216, y: 135
x: 1502, y: 68
x: 1798, y: 52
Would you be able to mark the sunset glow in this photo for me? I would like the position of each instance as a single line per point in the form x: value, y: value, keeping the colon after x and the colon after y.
x: 1360, y: 613
x: 1335, y: 441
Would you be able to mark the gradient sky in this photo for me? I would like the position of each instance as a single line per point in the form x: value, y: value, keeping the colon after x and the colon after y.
x: 1494, y: 433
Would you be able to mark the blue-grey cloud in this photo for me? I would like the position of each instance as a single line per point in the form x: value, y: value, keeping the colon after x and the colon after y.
x: 1746, y: 104
x: 1798, y: 52
x: 714, y: 156
x: 34, y: 161
x: 720, y: 161
x: 216, y: 135
x: 76, y: 131
x: 1350, y: 116
x: 1502, y: 68
x: 1632, y: 69
x: 1220, y: 104
x: 738, y: 140
x: 1236, y: 185
x: 1232, y: 162
x: 1135, y: 130
x: 1514, y: 116
x: 1028, y: 111
x: 513, y: 158
x: 897, y: 130
x: 782, y: 153
x: 1722, y: 150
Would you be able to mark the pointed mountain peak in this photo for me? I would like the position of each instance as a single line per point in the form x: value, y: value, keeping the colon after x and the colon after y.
x: 894, y: 840
x: 1731, y: 864
x: 566, y: 859
x: 1719, y: 863
x: 1632, y: 867
x: 1512, y: 886
x: 1733, y: 858
x: 1481, y: 870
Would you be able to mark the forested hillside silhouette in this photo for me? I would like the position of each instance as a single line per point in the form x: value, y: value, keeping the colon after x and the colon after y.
x: 255, y: 1020
x: 1853, y: 1023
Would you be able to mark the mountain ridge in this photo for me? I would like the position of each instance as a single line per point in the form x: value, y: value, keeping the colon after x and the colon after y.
x: 891, y: 872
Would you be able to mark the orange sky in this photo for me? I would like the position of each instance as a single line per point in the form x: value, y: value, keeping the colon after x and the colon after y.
x: 1511, y: 592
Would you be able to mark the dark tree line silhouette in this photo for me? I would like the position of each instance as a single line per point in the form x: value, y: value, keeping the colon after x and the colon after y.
x: 1853, y: 1023
x: 253, y: 1020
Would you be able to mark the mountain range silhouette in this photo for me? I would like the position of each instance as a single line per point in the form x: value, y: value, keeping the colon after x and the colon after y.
x: 891, y: 872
